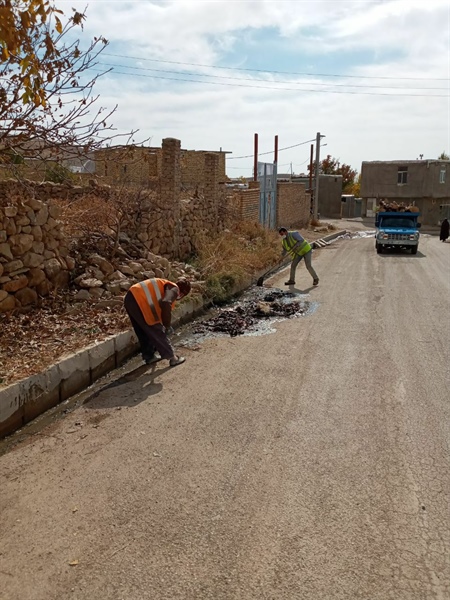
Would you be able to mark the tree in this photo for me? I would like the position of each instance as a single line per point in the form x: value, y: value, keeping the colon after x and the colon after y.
x: 355, y: 187
x: 331, y: 166
x: 46, y: 98
x: 443, y: 156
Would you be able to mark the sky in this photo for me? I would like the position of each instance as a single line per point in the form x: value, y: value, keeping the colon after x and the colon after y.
x: 372, y: 76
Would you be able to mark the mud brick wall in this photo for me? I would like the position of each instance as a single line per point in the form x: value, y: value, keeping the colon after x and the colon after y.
x: 141, y: 166
x: 131, y: 165
x: 194, y: 168
x: 247, y: 204
x: 293, y: 205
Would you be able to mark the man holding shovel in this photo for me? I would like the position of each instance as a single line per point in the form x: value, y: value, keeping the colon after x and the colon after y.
x: 149, y: 305
x: 297, y: 247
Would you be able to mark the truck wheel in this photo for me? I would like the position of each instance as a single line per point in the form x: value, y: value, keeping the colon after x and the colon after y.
x: 414, y: 249
x: 379, y: 248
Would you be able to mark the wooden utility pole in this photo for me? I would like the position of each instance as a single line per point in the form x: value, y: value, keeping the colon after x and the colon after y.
x: 255, y: 162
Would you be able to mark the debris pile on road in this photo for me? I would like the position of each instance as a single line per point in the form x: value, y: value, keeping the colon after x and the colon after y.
x: 245, y: 315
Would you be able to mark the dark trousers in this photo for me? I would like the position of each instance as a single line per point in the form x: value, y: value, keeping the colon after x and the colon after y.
x: 151, y: 337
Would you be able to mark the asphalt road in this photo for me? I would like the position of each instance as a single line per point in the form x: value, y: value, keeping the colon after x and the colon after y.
x: 308, y: 464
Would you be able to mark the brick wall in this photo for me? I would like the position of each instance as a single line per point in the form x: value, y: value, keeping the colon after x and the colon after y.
x: 247, y: 204
x: 293, y: 205
x: 138, y: 166
x: 129, y: 165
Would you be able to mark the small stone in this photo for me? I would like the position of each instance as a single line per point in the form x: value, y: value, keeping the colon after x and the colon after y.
x: 16, y: 284
x: 90, y: 283
x: 26, y: 296
x: 7, y: 304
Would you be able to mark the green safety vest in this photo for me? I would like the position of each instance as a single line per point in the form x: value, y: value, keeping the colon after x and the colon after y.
x: 289, y: 242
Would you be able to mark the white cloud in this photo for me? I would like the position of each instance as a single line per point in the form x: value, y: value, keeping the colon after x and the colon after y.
x: 392, y: 38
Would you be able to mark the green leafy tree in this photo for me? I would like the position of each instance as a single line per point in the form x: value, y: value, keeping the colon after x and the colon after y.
x: 443, y: 156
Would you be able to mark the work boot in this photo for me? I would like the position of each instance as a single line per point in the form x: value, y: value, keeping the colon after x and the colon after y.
x: 290, y: 282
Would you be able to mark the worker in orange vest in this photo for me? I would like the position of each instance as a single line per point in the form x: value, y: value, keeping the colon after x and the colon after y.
x: 149, y: 305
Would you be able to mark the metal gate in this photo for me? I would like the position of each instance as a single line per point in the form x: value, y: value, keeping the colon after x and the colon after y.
x: 267, y: 177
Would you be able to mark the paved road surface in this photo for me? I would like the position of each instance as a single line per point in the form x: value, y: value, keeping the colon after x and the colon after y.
x: 309, y: 464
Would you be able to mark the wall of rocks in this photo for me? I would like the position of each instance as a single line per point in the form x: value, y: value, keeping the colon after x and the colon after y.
x: 34, y: 255
x: 166, y: 222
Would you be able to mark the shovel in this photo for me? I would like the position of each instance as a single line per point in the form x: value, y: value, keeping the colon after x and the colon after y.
x: 269, y: 272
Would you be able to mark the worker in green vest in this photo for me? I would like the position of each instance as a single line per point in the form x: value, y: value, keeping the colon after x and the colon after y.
x: 297, y: 247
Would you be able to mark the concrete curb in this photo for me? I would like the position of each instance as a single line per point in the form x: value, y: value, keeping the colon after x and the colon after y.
x: 322, y: 242
x: 23, y: 401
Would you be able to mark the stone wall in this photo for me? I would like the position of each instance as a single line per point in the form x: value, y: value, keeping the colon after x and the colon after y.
x: 167, y: 221
x: 34, y: 257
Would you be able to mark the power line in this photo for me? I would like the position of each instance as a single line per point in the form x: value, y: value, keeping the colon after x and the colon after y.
x: 281, y: 89
x: 256, y: 80
x: 173, y: 62
x: 270, y: 152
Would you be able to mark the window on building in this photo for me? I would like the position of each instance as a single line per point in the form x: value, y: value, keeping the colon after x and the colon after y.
x: 442, y: 175
x: 402, y: 175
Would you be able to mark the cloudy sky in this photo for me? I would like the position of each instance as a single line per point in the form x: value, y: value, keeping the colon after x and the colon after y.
x: 370, y: 75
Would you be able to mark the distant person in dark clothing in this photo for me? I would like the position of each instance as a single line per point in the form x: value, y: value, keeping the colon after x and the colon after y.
x: 445, y: 230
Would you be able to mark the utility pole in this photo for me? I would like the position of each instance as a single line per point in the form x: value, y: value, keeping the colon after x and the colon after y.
x: 316, y: 192
x: 255, y: 161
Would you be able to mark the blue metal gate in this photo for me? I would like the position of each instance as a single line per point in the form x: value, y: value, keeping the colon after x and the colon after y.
x: 267, y: 177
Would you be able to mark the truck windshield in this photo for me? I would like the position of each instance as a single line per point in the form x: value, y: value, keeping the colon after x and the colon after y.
x: 400, y: 222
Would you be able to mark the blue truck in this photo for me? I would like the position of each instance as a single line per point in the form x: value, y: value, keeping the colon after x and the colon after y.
x: 397, y: 230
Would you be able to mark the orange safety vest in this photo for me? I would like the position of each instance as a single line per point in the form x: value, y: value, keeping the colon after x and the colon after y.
x: 148, y: 294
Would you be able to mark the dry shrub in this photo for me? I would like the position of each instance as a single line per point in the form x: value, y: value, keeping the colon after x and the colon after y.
x: 224, y: 259
x: 85, y: 215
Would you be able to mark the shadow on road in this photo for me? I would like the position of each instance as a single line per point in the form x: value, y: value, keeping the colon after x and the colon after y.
x: 130, y: 389
x: 297, y: 290
x: 405, y: 253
